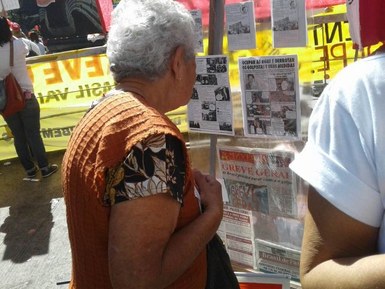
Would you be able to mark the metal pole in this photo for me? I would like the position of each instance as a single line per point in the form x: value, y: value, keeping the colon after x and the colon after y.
x: 216, y: 26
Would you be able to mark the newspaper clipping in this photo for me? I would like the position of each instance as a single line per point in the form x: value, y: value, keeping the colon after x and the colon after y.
x: 259, y: 280
x: 210, y: 109
x: 236, y: 231
x: 270, y: 96
x: 197, y: 16
x: 289, y: 23
x: 240, y: 20
x: 259, y: 180
x: 273, y: 258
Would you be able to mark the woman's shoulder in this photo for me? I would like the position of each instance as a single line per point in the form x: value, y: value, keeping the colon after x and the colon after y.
x: 18, y: 42
x: 20, y: 45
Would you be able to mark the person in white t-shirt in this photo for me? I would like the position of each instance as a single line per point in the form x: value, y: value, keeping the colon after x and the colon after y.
x: 33, y: 48
x: 25, y: 125
x: 34, y: 37
x: 344, y: 163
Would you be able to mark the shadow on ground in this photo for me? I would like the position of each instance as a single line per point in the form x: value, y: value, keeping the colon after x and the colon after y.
x: 33, y: 232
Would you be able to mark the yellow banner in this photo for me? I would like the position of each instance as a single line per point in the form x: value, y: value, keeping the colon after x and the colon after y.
x: 71, y: 82
x: 66, y: 83
x: 65, y: 88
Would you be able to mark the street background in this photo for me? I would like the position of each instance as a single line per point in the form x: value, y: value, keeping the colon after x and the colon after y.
x: 34, y: 246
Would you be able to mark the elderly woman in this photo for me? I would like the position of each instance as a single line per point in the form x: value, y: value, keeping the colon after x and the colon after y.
x: 134, y: 220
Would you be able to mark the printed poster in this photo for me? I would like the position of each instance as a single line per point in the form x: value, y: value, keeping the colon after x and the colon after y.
x: 240, y: 26
x: 259, y: 180
x: 270, y: 96
x: 210, y: 109
x: 197, y: 15
x: 289, y: 23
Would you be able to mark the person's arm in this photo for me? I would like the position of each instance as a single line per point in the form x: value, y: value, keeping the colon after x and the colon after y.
x: 145, y: 251
x: 338, y: 251
x: 20, y: 47
x: 34, y: 47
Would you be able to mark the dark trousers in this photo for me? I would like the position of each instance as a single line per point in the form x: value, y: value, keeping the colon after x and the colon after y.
x: 25, y: 127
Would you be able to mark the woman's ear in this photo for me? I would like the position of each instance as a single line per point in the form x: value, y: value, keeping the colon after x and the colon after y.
x: 177, y: 63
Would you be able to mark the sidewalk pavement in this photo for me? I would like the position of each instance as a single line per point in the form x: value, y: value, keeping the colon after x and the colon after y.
x: 34, y: 246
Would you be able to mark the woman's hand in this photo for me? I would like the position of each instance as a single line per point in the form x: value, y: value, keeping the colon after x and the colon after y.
x: 210, y: 192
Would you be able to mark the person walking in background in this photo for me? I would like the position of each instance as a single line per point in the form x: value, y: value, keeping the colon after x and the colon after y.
x: 33, y: 48
x: 25, y: 125
x: 34, y: 37
x: 133, y: 217
x: 344, y: 163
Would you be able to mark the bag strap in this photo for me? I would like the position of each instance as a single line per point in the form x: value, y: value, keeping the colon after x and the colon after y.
x: 11, y: 53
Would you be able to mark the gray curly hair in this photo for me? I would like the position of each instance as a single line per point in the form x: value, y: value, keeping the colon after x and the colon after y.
x: 144, y: 34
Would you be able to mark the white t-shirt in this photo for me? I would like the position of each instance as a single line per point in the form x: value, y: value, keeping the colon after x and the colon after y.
x: 344, y: 157
x: 19, y: 69
x: 42, y: 48
x: 31, y: 45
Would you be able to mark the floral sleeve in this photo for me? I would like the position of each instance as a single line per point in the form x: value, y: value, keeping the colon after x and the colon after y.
x: 155, y: 165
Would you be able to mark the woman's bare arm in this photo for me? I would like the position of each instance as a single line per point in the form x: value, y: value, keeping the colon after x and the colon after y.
x: 144, y: 250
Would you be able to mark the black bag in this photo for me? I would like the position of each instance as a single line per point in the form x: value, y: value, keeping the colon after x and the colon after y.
x: 220, y: 273
x: 32, y: 53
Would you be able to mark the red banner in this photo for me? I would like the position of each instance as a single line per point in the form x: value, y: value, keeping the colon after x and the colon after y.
x: 104, y: 10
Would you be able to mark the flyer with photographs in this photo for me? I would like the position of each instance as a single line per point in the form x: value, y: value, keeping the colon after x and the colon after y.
x: 270, y: 96
x: 240, y: 23
x: 259, y: 180
x: 197, y: 16
x: 210, y: 108
x: 289, y: 23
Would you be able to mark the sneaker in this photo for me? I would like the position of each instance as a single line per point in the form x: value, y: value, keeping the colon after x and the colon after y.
x: 49, y: 170
x: 32, y: 172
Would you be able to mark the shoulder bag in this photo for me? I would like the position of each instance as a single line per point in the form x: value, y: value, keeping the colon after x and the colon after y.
x: 11, y: 92
x: 220, y: 273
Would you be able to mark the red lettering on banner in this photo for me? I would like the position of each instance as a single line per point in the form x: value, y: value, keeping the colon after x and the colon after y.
x: 30, y: 73
x: 54, y: 72
x: 97, y: 65
x: 73, y: 67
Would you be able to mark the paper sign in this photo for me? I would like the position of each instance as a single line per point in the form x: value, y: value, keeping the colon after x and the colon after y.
x: 9, y: 5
